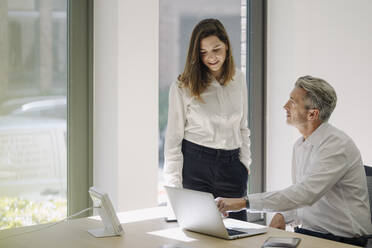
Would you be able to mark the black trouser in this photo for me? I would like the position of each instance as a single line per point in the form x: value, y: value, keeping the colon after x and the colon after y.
x: 216, y: 171
x: 361, y: 241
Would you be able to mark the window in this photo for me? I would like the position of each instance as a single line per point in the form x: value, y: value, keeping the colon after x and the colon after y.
x: 45, y: 110
x: 33, y: 112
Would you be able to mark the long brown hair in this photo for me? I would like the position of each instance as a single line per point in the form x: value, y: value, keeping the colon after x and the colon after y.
x: 196, y: 75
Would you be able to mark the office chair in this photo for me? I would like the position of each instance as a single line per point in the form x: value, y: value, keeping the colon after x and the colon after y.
x: 368, y: 171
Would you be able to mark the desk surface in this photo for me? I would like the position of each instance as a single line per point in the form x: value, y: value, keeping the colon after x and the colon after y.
x: 143, y: 228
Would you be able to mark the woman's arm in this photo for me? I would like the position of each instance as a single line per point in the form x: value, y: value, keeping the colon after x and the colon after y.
x: 174, y: 136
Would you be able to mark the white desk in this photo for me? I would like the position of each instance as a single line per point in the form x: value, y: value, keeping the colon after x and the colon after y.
x: 143, y: 228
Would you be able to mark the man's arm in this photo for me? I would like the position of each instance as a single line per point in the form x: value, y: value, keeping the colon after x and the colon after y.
x: 325, y: 172
x: 236, y: 204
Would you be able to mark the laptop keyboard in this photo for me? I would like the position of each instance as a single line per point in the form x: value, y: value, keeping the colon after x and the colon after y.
x: 232, y: 232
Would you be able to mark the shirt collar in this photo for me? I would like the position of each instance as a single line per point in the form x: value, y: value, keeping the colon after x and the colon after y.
x: 317, y: 135
x: 214, y: 80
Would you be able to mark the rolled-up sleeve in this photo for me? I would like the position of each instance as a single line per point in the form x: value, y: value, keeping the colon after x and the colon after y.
x: 245, y: 153
x: 174, y: 136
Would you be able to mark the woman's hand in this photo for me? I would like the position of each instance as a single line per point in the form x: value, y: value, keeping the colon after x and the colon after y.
x: 230, y: 204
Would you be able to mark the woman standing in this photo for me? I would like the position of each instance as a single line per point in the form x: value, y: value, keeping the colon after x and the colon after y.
x: 207, y: 139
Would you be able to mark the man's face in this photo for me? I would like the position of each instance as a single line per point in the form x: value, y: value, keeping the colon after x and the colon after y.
x: 295, y: 108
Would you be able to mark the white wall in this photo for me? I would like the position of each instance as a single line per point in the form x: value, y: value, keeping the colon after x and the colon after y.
x: 105, y: 124
x: 126, y: 101
x: 331, y: 39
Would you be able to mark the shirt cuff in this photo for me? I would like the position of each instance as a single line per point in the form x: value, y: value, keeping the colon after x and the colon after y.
x: 255, y: 202
x: 289, y: 216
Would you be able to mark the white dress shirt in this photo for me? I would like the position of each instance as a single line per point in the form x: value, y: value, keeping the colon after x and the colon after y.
x: 218, y: 121
x: 329, y: 193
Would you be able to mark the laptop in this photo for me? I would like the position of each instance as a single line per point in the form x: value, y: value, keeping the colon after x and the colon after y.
x: 197, y: 211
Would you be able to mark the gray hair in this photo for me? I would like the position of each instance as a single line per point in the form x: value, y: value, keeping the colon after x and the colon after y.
x: 319, y: 95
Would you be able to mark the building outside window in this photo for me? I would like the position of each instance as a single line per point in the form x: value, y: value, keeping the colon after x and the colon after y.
x: 33, y: 111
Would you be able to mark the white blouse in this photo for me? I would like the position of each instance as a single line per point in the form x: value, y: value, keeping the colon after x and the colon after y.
x: 219, y: 121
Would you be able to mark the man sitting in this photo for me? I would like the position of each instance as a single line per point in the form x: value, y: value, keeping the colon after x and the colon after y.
x: 329, y: 195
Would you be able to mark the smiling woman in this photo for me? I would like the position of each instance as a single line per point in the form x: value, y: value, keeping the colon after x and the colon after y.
x: 177, y: 18
x: 207, y: 140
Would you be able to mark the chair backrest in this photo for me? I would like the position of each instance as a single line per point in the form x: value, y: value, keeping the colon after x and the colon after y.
x: 368, y: 170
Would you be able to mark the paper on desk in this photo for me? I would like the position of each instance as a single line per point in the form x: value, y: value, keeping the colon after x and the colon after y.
x: 174, y: 246
x: 242, y: 225
x: 175, y: 233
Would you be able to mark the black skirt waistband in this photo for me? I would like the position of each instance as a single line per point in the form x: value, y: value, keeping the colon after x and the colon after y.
x: 207, y: 150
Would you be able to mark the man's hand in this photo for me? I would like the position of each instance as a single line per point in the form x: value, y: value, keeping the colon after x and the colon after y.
x: 229, y: 204
x: 278, y: 221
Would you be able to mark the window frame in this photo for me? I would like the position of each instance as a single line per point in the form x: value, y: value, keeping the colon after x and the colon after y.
x: 256, y: 85
x: 80, y: 105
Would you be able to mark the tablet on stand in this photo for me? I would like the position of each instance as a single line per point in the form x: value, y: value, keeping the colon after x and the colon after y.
x: 112, y: 226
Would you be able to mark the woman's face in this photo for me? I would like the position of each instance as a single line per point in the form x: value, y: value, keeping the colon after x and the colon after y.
x: 213, y: 54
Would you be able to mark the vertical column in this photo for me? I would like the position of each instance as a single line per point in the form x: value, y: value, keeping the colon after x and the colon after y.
x: 138, y: 103
x: 105, y: 119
